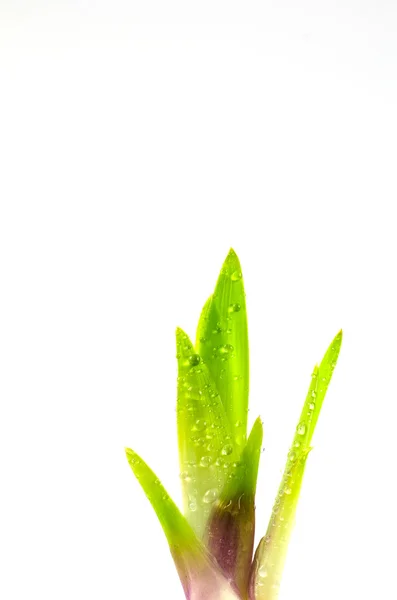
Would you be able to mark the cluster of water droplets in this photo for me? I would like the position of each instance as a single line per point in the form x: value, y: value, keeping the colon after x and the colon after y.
x: 210, y: 458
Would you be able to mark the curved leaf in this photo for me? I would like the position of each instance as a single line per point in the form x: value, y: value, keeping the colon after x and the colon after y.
x: 201, y: 578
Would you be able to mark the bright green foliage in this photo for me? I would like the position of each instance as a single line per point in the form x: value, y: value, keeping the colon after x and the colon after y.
x: 321, y: 378
x: 222, y: 342
x: 212, y: 543
x: 196, y: 568
x: 177, y: 530
x: 206, y: 447
x: 272, y: 550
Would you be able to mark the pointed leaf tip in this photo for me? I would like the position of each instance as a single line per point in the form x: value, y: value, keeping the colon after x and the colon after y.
x: 200, y: 576
x: 232, y: 254
x: 172, y: 521
x: 222, y: 342
x: 271, y: 553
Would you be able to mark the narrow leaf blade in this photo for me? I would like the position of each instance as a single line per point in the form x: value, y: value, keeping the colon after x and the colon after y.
x: 321, y: 378
x: 201, y: 578
x: 177, y: 530
x: 222, y: 342
x: 272, y: 550
x: 271, y: 553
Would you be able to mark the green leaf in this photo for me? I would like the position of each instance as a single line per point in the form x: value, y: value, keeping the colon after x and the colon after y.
x: 321, y: 378
x: 272, y: 550
x: 206, y: 447
x: 270, y: 556
x: 222, y: 342
x: 199, y: 574
x: 178, y: 532
x: 231, y: 526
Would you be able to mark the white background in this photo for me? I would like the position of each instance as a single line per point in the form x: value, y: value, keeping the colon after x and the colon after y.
x: 138, y: 142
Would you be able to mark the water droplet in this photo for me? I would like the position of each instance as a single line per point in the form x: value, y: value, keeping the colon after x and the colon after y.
x: 205, y: 461
x: 224, y: 351
x: 210, y: 496
x: 287, y: 490
x: 301, y: 429
x: 311, y: 406
x: 236, y: 276
x: 313, y: 394
x: 192, y: 506
x: 234, y: 307
x: 200, y: 425
x: 227, y: 450
x: 194, y: 360
x: 238, y: 424
x: 218, y: 328
x: 185, y: 476
x: 262, y: 572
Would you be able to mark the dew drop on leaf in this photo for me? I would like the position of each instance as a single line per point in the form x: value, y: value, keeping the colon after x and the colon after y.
x: 235, y: 307
x: 210, y: 496
x: 194, y: 360
x: 301, y: 429
x: 224, y: 351
x: 262, y: 572
x: 205, y: 461
x: 227, y: 450
x: 236, y: 276
x: 200, y: 425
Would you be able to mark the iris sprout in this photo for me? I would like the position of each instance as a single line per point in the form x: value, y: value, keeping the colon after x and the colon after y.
x: 212, y: 538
